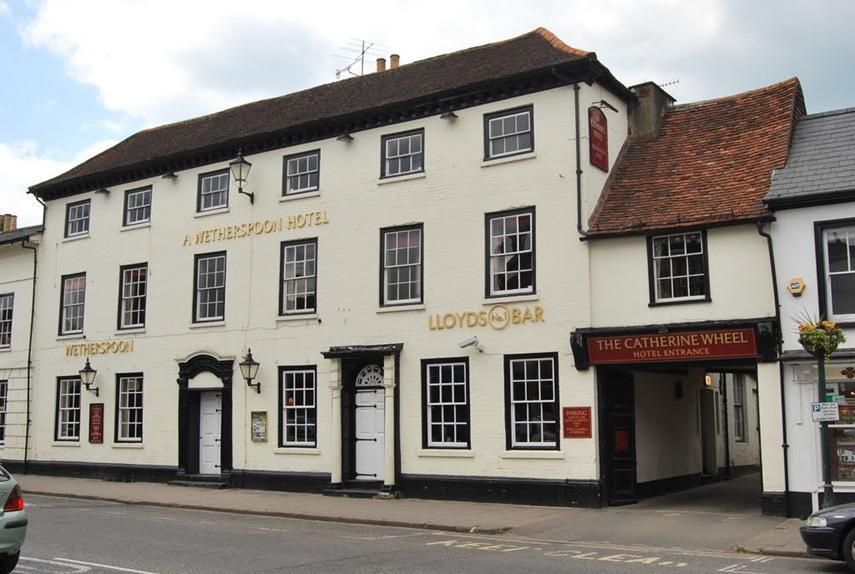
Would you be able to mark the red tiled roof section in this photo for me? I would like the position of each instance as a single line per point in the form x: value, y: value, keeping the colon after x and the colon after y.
x: 711, y: 163
x: 537, y: 50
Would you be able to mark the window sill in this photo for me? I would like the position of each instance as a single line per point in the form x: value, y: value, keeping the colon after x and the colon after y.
x: 130, y: 331
x: 444, y: 453
x: 127, y: 445
x: 216, y: 211
x: 76, y: 237
x: 74, y: 443
x: 511, y: 299
x: 133, y: 226
x: 70, y: 337
x: 301, y: 195
x: 533, y: 454
x: 5, y: 349
x: 405, y: 177
x: 401, y: 308
x: 296, y: 450
x: 206, y: 324
x: 679, y: 302
x: 295, y: 317
x: 508, y: 159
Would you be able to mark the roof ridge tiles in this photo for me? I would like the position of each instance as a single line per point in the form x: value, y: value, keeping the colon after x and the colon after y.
x: 737, y: 96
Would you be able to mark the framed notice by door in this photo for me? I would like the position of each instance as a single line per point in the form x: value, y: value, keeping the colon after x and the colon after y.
x: 96, y: 423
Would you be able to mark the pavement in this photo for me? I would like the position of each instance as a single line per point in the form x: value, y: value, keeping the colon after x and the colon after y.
x: 719, y: 517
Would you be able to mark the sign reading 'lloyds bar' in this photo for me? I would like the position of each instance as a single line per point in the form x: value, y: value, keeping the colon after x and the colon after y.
x: 680, y: 346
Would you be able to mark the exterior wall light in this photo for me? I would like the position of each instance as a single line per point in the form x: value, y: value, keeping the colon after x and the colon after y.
x: 87, y: 377
x: 240, y: 171
x: 345, y: 138
x: 249, y: 369
x: 449, y: 115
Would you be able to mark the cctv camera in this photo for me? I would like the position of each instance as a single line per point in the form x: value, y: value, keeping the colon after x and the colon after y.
x: 470, y: 342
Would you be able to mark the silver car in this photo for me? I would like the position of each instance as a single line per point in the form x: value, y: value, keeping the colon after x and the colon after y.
x: 13, y: 522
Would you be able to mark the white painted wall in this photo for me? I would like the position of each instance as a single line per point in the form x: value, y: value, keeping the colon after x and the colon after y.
x: 451, y: 199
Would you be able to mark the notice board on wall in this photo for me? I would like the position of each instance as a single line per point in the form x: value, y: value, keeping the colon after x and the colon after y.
x: 577, y: 422
x: 96, y: 423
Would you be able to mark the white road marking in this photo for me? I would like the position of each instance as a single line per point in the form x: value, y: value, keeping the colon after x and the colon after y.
x: 75, y: 568
x: 107, y: 566
x: 739, y: 569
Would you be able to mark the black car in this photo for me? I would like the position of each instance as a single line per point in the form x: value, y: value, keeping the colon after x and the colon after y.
x: 830, y: 533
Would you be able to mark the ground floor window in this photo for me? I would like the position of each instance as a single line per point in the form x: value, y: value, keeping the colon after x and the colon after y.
x: 129, y: 409
x: 531, y: 390
x: 739, y: 408
x: 68, y: 408
x: 445, y: 394
x: 298, y: 412
x: 4, y: 394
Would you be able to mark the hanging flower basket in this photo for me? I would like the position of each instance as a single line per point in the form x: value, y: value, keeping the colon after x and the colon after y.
x: 820, y: 338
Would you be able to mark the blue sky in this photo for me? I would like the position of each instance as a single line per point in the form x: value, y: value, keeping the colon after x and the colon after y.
x: 80, y: 75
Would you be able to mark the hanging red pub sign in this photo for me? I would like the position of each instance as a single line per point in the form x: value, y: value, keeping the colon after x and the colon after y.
x: 674, y: 346
x: 598, y: 135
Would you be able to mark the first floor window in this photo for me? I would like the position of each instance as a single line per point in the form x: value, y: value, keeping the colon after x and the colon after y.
x: 4, y: 396
x: 402, y: 265
x: 510, y: 253
x: 403, y: 153
x: 532, y: 391
x: 299, y: 277
x: 137, y: 206
x: 679, y: 267
x: 77, y: 218
x: 298, y: 417
x: 68, y: 408
x: 210, y: 287
x: 739, y: 408
x: 213, y: 190
x: 446, y: 402
x: 72, y: 303
x: 6, y: 302
x: 134, y: 290
x: 508, y: 132
x: 839, y: 249
x: 302, y: 172
x: 129, y: 410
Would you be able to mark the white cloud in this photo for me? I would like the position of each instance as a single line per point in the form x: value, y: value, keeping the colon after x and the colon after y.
x: 23, y: 165
x: 4, y: 8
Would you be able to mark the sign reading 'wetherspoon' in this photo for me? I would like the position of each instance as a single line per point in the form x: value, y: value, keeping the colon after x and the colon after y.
x: 100, y: 348
x: 680, y: 346
x: 260, y: 227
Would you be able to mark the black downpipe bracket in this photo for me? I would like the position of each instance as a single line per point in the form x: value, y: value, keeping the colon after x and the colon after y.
x: 784, y: 446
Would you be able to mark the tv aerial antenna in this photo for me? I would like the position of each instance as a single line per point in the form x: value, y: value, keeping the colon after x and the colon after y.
x: 355, y: 53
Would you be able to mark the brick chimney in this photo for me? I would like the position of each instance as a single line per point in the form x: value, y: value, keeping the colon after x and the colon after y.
x: 394, y: 61
x: 10, y: 222
x: 381, y: 64
x: 645, y: 114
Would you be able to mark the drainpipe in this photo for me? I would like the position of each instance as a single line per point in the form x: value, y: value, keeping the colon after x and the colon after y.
x: 576, y: 89
x: 26, y: 245
x: 784, y: 446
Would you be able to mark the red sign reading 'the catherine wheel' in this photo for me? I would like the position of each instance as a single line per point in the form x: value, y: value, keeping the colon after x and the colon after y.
x: 598, y: 132
x: 677, y: 346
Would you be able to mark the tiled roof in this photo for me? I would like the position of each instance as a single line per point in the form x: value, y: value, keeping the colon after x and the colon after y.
x: 19, y: 234
x: 289, y: 117
x: 710, y: 164
x: 821, y: 163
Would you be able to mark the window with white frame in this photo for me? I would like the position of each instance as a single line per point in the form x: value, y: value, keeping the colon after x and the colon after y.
x: 299, y: 277
x: 68, y: 408
x: 4, y: 397
x: 446, y: 403
x: 72, y: 304
x: 134, y: 291
x: 679, y: 267
x: 137, y: 206
x: 302, y: 172
x: 739, y: 408
x: 510, y: 245
x: 210, y: 287
x: 77, y: 218
x: 402, y: 265
x: 508, y: 133
x: 7, y: 301
x: 129, y: 409
x: 298, y: 420
x: 213, y: 190
x: 403, y: 153
x: 532, y: 391
x: 839, y: 248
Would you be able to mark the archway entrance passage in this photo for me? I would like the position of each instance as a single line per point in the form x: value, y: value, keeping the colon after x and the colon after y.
x: 205, y: 416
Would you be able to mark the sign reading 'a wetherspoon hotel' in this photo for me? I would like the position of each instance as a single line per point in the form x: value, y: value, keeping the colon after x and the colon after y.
x: 260, y: 227
x: 675, y: 346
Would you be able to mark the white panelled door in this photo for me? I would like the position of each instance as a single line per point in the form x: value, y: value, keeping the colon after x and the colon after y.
x: 370, y: 423
x: 210, y: 419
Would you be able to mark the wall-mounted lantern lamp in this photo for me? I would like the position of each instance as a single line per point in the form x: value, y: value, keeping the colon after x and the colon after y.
x: 249, y: 369
x: 240, y: 171
x: 87, y: 377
